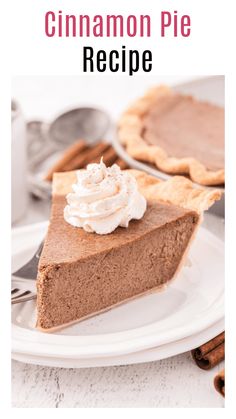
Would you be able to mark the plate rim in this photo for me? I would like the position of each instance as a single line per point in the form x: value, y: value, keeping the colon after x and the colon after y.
x: 149, y: 355
x: 146, y: 341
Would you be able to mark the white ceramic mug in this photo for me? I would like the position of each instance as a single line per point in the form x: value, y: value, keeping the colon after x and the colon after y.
x: 18, y: 163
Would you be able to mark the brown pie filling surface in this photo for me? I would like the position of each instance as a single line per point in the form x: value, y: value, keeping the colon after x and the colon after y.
x: 186, y: 127
x: 177, y: 133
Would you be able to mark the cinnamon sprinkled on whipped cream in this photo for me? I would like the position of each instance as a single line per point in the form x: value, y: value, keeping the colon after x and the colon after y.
x: 103, y: 199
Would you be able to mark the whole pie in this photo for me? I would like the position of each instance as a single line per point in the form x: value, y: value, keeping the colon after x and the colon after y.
x: 177, y: 133
x: 81, y: 274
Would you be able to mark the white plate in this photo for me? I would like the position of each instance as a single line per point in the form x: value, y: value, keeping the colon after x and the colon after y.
x: 193, y: 303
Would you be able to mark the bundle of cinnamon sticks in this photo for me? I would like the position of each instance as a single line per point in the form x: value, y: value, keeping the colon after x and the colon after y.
x: 209, y: 355
x: 79, y: 154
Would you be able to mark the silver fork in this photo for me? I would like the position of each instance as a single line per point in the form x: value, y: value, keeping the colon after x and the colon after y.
x: 23, y: 280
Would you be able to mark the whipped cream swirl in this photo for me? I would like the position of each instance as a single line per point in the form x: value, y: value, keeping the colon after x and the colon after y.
x: 103, y: 199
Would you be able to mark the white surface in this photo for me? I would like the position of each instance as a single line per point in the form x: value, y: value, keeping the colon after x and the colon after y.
x: 189, y: 305
x: 173, y: 382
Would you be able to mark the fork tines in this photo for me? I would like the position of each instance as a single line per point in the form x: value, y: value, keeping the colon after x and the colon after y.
x: 19, y: 296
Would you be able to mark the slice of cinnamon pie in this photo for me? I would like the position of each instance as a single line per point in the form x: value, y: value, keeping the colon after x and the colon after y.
x: 82, y: 273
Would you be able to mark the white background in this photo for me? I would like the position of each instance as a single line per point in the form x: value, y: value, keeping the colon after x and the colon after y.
x: 201, y: 53
x: 209, y: 50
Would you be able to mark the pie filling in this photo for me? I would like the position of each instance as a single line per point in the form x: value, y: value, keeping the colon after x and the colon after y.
x: 81, y: 274
x: 186, y: 127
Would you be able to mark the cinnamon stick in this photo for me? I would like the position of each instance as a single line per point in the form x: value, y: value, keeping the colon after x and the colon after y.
x: 80, y: 154
x: 219, y: 382
x: 210, y: 353
x: 121, y: 163
x: 72, y: 151
x: 109, y: 156
x: 86, y: 157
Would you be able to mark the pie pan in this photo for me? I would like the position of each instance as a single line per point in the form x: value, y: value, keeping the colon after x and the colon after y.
x: 209, y: 89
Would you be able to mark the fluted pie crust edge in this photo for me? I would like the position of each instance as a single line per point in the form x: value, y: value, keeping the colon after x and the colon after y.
x: 177, y: 190
x: 130, y: 128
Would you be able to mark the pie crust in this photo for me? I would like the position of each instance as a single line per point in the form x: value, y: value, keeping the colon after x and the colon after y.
x: 130, y: 134
x: 177, y: 190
